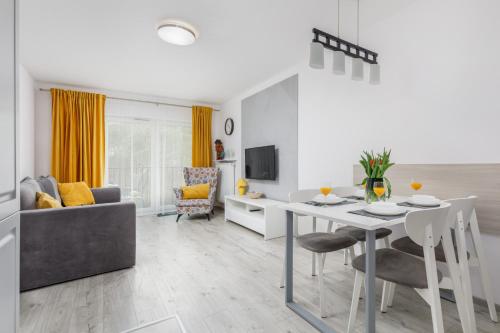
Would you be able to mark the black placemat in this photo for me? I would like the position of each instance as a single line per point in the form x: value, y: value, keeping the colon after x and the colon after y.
x: 317, y: 204
x: 353, y: 197
x: 363, y: 212
x: 407, y: 204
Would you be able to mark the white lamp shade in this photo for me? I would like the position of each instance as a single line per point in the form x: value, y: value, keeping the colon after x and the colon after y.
x: 317, y: 56
x: 357, y: 69
x: 338, y: 63
x: 374, y: 74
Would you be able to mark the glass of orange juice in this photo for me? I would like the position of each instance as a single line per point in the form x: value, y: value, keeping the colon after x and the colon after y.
x: 379, y: 189
x: 325, y: 189
x: 415, y: 184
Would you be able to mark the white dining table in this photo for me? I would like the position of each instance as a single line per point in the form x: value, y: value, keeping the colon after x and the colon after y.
x: 339, y: 214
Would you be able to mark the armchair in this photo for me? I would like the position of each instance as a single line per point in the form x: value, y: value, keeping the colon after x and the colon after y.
x: 193, y: 176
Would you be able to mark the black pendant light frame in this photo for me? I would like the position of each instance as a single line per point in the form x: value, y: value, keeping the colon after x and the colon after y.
x: 337, y: 44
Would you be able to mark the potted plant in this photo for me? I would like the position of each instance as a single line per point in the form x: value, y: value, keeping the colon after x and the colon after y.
x: 375, y: 166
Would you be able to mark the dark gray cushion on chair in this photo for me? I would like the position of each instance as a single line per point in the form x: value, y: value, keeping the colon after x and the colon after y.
x: 48, y: 184
x: 406, y: 245
x: 360, y: 234
x: 28, y: 190
x: 398, y: 267
x: 322, y: 242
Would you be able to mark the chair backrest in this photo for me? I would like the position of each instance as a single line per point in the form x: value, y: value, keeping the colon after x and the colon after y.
x: 344, y: 191
x: 193, y: 176
x: 417, y: 222
x: 302, y: 195
x: 465, y: 206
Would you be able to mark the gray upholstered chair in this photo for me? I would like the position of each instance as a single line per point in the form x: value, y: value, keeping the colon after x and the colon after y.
x: 193, y: 176
x: 62, y: 244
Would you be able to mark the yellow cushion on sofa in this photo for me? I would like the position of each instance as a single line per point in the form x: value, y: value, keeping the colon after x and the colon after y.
x: 76, y: 194
x: 199, y: 191
x: 45, y: 200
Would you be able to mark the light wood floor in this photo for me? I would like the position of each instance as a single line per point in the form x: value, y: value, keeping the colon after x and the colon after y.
x: 218, y: 277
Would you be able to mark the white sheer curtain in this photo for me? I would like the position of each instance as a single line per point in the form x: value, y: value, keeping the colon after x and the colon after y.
x: 145, y: 158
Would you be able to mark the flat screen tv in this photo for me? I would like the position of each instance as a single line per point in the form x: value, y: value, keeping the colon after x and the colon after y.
x: 260, y: 163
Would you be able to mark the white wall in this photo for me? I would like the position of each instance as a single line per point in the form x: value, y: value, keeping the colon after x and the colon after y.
x: 26, y: 123
x: 114, y: 107
x: 438, y: 101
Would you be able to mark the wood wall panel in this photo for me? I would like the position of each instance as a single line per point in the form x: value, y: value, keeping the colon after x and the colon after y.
x: 447, y: 181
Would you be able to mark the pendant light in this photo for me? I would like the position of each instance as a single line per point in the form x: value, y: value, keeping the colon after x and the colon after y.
x: 357, y: 64
x: 374, y: 74
x: 338, y: 56
x: 317, y: 56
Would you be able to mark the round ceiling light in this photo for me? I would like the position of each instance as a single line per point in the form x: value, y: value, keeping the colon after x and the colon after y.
x: 177, y: 32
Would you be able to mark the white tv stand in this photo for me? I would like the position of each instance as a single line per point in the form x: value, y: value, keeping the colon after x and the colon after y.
x: 260, y: 215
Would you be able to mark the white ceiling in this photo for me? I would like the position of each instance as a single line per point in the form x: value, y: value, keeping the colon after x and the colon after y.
x: 112, y: 44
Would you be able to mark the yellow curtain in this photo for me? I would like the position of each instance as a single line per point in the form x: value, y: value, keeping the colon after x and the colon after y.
x: 202, y: 136
x: 78, y: 139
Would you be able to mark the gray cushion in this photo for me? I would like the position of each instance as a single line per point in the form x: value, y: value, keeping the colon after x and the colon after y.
x: 48, y: 185
x: 322, y: 242
x: 398, y: 267
x: 360, y: 234
x: 406, y: 245
x: 28, y: 190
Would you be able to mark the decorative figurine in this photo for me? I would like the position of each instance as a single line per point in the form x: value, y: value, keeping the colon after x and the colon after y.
x: 219, y: 149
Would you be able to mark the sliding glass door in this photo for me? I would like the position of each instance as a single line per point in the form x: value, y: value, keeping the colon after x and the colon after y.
x: 145, y: 159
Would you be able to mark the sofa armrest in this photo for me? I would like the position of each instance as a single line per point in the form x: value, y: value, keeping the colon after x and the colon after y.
x: 106, y: 194
x: 61, y: 244
x: 178, y: 193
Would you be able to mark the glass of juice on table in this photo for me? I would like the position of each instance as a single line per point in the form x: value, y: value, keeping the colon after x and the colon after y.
x: 415, y: 185
x: 325, y: 189
x: 378, y: 189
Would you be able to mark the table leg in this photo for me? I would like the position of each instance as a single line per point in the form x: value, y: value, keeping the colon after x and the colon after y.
x: 289, y: 258
x: 370, y: 282
x: 316, y: 322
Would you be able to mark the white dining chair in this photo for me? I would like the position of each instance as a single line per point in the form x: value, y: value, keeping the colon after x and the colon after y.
x: 319, y: 243
x: 478, y: 259
x: 308, y: 195
x: 426, y: 228
x: 457, y: 265
x: 462, y: 215
x: 303, y: 196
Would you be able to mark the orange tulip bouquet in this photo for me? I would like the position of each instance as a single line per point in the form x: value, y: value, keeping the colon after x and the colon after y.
x: 377, y: 186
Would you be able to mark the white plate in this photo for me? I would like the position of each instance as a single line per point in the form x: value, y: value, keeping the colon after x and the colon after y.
x: 385, y: 208
x: 328, y: 200
x: 424, y: 200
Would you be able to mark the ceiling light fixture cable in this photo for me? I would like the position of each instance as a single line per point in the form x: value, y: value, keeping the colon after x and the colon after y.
x: 338, y: 66
x: 357, y: 41
x: 357, y: 63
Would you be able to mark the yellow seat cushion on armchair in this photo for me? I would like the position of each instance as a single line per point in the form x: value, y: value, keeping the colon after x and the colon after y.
x: 76, y: 194
x: 198, y: 191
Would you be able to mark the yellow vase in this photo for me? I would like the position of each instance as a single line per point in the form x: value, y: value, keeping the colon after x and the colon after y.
x: 242, y: 186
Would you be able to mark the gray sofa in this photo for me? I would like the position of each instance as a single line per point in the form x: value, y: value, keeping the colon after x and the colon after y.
x: 62, y: 244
